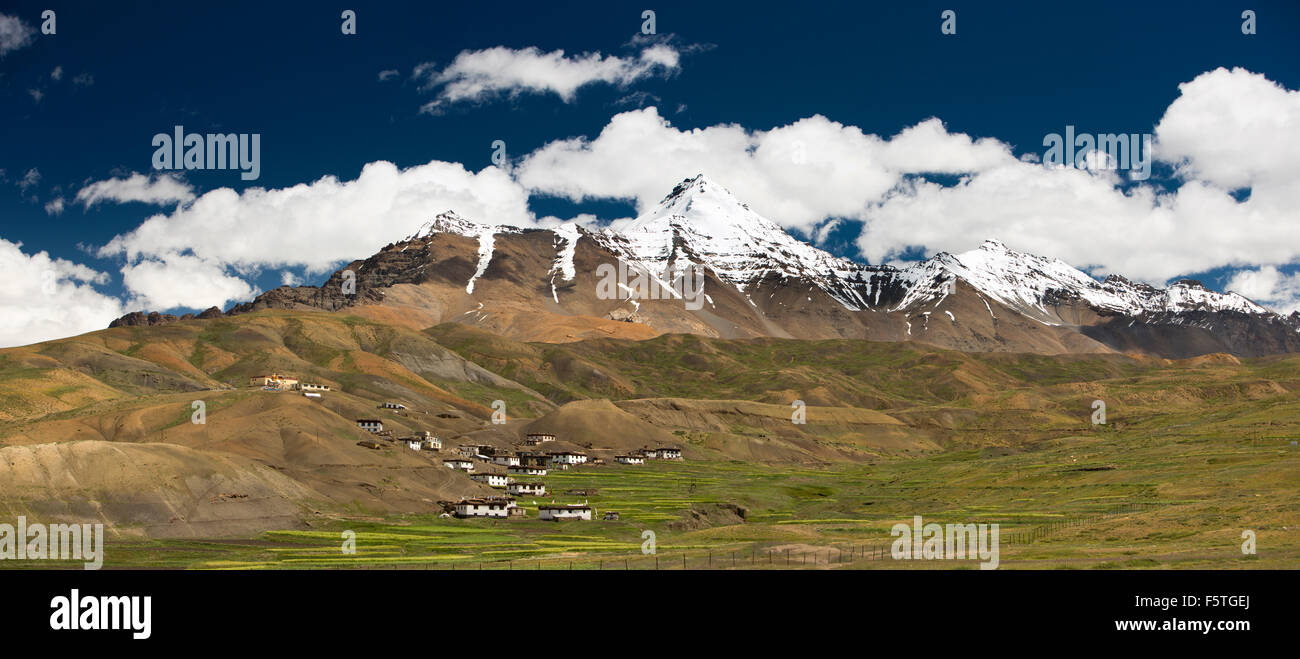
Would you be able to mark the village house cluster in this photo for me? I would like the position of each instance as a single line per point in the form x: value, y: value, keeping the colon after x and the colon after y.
x: 420, y: 441
x: 482, y: 463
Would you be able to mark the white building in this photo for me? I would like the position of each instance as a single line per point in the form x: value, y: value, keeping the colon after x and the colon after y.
x: 490, y: 507
x: 669, y: 453
x: 569, y: 457
x: 558, y: 511
x: 536, y: 438
x: 392, y: 406
x: 525, y: 470
x: 458, y: 464
x: 312, y: 386
x: 429, y: 441
x: 413, y: 443
x: 530, y: 489
x: 629, y: 459
x: 492, y: 480
x: 505, y: 459
x: 370, y: 425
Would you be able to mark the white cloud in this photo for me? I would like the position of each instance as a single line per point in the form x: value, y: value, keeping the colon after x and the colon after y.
x: 311, y: 225
x: 30, y: 179
x: 14, y: 34
x: 388, y: 74
x: 1233, y: 129
x: 801, y: 175
x: 814, y: 170
x: 798, y: 175
x: 46, y: 298
x: 183, y: 280
x: 479, y: 75
x: 57, y: 73
x: 1227, y: 130
x: 158, y: 189
x: 36, y: 95
x: 54, y: 206
x: 1269, y: 286
x: 289, y: 279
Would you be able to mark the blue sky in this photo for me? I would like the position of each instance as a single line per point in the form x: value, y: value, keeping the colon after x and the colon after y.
x: 82, y: 105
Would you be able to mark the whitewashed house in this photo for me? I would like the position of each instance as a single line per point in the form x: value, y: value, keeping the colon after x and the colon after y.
x: 526, y: 470
x: 559, y: 511
x: 537, y: 438
x: 488, y: 507
x: 529, y: 489
x: 311, y: 386
x: 629, y: 459
x: 506, y: 460
x: 370, y: 425
x: 459, y: 464
x: 429, y: 441
x: 413, y: 443
x: 492, y: 480
x: 569, y: 457
x: 669, y: 453
x: 392, y: 406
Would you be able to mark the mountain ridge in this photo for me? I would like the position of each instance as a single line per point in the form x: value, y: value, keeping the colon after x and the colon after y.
x: 438, y: 274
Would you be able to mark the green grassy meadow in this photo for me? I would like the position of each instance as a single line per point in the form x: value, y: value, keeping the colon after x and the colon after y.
x: 1154, y: 503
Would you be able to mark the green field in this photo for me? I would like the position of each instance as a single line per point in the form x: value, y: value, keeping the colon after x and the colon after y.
x: 1157, y: 502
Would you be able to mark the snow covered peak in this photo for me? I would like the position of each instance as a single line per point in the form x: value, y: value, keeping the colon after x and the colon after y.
x: 1032, y: 284
x: 701, y: 222
x: 448, y: 222
x: 706, y: 209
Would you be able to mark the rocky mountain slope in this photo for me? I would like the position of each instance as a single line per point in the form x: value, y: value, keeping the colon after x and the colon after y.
x: 702, y: 262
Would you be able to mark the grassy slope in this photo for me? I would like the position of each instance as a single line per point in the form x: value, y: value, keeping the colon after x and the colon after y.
x: 1203, y: 445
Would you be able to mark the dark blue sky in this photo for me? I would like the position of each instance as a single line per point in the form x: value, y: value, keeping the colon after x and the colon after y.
x: 1014, y: 71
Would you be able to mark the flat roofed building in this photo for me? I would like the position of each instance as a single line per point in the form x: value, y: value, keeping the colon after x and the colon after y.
x: 526, y: 470
x: 484, y: 507
x: 569, y: 457
x: 559, y: 511
x: 531, y: 489
x: 492, y: 480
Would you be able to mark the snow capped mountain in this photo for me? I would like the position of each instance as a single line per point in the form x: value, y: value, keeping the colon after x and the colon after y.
x: 701, y: 222
x: 1034, y: 284
x: 544, y: 283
